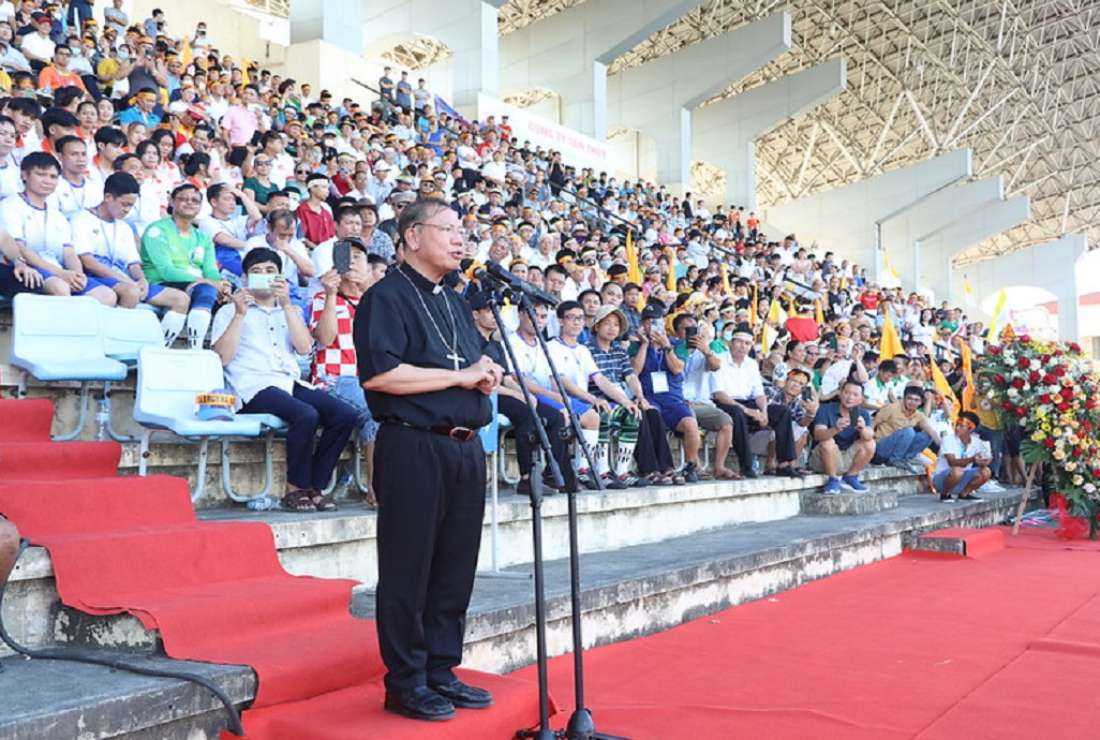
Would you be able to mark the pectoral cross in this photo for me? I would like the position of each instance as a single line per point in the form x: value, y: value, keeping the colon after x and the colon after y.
x: 457, y: 358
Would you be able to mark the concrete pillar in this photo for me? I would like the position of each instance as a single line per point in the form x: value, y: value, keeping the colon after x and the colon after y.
x: 569, y: 53
x: 658, y: 97
x: 1050, y: 266
x: 843, y: 220
x: 467, y: 27
x: 934, y: 250
x: 337, y: 22
x: 724, y: 133
x: 900, y: 232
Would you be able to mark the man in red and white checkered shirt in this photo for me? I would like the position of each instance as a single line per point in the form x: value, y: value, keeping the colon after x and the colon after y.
x: 331, y: 316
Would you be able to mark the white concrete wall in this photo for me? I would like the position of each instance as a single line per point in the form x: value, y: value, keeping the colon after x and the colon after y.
x: 1053, y: 266
x: 467, y: 27
x: 338, y: 22
x: 233, y: 28
x: 843, y: 219
x: 934, y: 212
x: 569, y: 51
x: 935, y: 249
x: 657, y: 97
x: 724, y: 133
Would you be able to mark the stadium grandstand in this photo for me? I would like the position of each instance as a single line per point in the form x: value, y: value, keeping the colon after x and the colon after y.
x: 796, y: 291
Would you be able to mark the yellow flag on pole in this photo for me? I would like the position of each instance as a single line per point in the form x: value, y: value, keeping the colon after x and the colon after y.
x: 819, y: 313
x: 633, y: 269
x: 776, y: 318
x: 968, y: 398
x: 998, y: 309
x: 671, y: 282
x: 945, y: 390
x: 755, y: 310
x: 890, y: 346
x: 725, y: 279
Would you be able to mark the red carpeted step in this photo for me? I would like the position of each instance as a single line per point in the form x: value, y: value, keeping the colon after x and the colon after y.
x: 129, y: 501
x: 26, y: 420
x: 346, y: 715
x: 54, y: 460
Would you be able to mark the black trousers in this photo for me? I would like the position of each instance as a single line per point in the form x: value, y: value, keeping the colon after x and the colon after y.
x: 431, y: 500
x: 779, y: 421
x: 652, y: 452
x: 523, y: 427
x: 309, y: 461
x: 10, y: 285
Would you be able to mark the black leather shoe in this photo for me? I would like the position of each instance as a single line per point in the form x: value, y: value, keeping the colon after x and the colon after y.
x: 420, y: 703
x: 463, y: 695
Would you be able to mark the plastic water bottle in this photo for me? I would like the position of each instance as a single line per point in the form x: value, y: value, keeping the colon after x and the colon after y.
x: 261, y: 503
x: 757, y: 466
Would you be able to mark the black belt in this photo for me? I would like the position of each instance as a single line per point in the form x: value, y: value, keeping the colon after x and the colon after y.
x: 459, y: 434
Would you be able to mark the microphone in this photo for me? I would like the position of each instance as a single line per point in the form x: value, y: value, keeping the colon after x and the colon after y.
x: 469, y: 268
x: 493, y: 271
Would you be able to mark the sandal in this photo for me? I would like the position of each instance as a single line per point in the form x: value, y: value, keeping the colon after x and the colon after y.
x: 727, y: 475
x: 323, y: 501
x: 298, y: 500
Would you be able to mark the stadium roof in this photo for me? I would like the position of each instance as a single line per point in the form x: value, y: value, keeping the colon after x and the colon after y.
x: 1018, y: 82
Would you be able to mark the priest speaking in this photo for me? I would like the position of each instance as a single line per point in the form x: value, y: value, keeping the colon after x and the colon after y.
x: 422, y: 363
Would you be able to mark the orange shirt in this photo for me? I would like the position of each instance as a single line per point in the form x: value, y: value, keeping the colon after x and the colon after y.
x: 51, y: 78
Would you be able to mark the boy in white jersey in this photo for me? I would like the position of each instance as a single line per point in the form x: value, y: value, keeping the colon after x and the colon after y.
x: 108, y: 251
x: 43, y: 234
x: 76, y: 189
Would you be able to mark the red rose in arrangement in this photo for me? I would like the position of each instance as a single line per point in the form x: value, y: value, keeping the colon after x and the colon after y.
x: 1049, y: 379
x: 1063, y: 406
x: 1033, y: 376
x: 1059, y: 371
x: 1023, y: 363
x: 1075, y: 347
x: 1025, y: 339
x: 1049, y: 443
x: 1067, y: 393
x: 1018, y: 383
x: 995, y: 350
x: 1021, y: 411
x: 1045, y: 398
x: 1044, y: 359
x: 1000, y: 379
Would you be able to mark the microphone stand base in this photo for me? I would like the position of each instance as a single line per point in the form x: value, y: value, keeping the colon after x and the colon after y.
x: 582, y: 727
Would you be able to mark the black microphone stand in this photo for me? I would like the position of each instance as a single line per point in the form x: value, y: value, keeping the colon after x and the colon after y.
x: 543, y: 732
x: 581, y: 725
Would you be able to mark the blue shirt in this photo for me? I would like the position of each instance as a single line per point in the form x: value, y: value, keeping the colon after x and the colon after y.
x: 655, y: 363
x: 133, y: 114
x: 827, y: 416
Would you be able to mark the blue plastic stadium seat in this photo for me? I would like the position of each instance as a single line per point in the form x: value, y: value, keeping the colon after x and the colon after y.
x: 61, y: 339
x: 127, y: 330
x: 169, y: 380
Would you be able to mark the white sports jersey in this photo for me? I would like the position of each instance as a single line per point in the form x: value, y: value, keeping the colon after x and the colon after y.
x: 43, y: 230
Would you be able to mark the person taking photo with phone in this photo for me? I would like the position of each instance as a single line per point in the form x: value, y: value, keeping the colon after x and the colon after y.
x: 257, y: 335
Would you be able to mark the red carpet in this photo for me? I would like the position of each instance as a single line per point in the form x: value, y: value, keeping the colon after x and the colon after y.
x: 1005, y: 647
x: 215, y: 590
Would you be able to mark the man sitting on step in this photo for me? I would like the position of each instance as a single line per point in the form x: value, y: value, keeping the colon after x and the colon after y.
x: 844, y: 439
x: 963, y: 463
x: 903, y: 432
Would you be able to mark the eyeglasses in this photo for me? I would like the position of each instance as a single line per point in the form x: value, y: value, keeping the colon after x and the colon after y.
x: 448, y: 230
x: 573, y: 317
x: 188, y: 199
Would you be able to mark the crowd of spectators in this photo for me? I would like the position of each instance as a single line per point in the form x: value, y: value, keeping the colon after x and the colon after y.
x: 140, y: 164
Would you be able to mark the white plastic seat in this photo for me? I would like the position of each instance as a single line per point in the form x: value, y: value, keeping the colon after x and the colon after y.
x: 127, y: 330
x: 61, y: 339
x: 167, y: 383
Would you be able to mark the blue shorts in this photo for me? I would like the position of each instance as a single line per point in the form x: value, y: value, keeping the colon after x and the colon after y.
x: 939, y: 480
x: 579, y: 407
x: 111, y: 282
x: 229, y: 259
x: 92, y: 284
x: 673, y: 411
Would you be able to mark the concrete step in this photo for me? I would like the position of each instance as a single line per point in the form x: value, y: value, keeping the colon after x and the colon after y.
x: 342, y: 544
x: 626, y: 593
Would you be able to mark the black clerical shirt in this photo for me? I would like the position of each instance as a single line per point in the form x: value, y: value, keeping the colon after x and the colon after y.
x: 391, y: 328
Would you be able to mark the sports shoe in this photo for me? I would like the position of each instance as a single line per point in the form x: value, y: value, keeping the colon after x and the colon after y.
x: 691, y: 473
x: 853, y: 483
x: 992, y: 486
x: 611, y: 482
x: 832, y: 485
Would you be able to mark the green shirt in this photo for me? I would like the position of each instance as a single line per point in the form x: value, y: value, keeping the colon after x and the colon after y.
x: 170, y: 257
x: 263, y: 192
